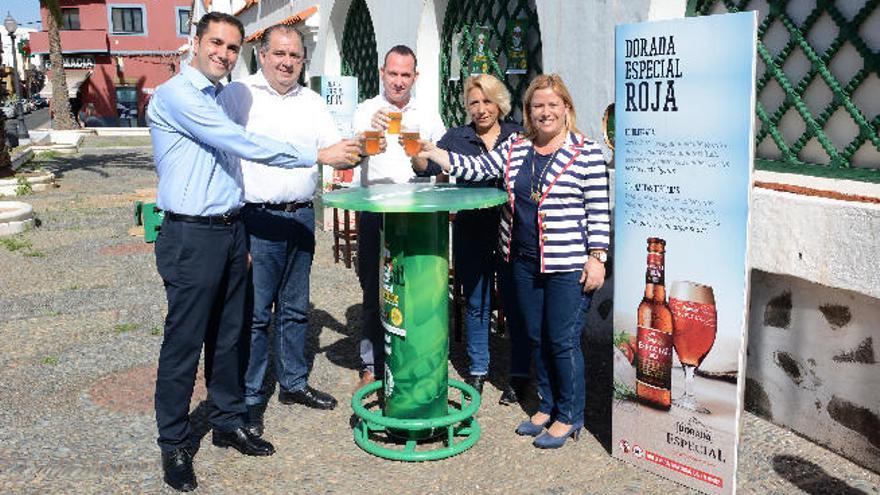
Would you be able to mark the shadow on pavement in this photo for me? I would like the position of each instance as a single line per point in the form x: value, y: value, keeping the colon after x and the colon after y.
x: 810, y: 477
x: 97, y: 163
x: 343, y: 352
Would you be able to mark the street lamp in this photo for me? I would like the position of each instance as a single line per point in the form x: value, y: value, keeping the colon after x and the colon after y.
x: 11, y: 25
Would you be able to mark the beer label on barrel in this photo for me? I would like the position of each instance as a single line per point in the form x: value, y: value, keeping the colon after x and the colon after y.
x: 392, y: 294
x: 654, y: 357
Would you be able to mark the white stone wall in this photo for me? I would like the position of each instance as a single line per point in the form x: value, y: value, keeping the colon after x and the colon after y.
x: 813, y: 367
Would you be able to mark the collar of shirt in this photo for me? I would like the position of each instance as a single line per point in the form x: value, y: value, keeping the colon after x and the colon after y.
x: 411, y: 105
x: 197, y: 79
x: 469, y: 132
x: 259, y: 81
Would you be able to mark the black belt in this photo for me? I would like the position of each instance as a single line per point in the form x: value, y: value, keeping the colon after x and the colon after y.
x: 224, y: 219
x: 288, y: 207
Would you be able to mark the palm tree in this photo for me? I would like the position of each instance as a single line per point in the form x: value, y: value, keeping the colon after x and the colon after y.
x: 60, y: 102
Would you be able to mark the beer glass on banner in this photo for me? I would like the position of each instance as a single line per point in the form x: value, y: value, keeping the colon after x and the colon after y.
x: 694, y: 323
x: 410, y: 135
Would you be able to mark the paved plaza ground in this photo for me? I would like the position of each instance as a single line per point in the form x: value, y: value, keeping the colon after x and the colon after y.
x: 81, y: 311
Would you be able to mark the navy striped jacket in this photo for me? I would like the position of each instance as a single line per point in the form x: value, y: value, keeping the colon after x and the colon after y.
x: 573, y: 213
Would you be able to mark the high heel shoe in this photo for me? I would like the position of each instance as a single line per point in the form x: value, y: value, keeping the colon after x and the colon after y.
x: 529, y: 429
x: 548, y: 441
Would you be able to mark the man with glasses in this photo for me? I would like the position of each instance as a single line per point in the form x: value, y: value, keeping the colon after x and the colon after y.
x: 280, y: 219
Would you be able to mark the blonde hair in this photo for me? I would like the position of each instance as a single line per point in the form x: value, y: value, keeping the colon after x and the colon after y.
x: 554, y: 82
x: 494, y: 89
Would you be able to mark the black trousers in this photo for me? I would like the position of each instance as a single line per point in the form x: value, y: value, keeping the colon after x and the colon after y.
x: 372, y: 350
x: 204, y: 269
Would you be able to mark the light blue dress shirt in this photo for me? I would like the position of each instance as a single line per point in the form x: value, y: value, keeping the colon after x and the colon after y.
x: 191, y: 139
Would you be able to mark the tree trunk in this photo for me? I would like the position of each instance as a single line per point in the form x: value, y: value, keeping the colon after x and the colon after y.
x: 62, y: 119
x: 5, y: 163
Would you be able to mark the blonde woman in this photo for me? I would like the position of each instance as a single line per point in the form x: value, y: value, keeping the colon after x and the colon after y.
x: 474, y: 232
x: 554, y: 236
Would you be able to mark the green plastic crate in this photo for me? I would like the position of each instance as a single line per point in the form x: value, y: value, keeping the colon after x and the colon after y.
x: 148, y: 215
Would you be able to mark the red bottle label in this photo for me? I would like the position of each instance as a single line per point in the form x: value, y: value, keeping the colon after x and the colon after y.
x: 654, y: 354
x: 654, y: 274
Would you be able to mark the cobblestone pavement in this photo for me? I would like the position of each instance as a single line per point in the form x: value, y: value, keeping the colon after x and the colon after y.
x: 81, y: 310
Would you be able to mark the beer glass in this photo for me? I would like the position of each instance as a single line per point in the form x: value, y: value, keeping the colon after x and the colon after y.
x: 394, y: 122
x: 371, y: 142
x: 410, y: 137
x: 694, y: 325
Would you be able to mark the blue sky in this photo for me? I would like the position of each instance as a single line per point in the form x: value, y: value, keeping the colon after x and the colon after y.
x: 23, y: 10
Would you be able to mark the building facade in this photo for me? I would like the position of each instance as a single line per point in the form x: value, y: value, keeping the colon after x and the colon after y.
x: 24, y: 63
x: 116, y: 52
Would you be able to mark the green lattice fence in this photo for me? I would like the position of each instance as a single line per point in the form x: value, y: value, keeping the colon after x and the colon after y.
x: 359, y: 56
x: 462, y: 16
x: 818, y: 88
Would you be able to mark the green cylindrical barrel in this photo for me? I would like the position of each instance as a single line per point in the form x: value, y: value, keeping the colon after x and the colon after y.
x: 415, y: 267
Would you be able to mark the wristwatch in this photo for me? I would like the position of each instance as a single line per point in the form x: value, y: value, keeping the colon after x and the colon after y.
x: 601, y: 256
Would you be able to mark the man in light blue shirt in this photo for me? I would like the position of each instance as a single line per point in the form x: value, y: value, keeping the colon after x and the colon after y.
x: 201, y: 251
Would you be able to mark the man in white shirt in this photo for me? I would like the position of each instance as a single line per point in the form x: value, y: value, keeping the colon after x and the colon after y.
x: 280, y: 218
x: 398, y: 74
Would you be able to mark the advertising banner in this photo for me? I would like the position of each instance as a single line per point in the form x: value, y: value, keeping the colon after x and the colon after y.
x: 515, y: 40
x: 340, y: 93
x: 481, y: 51
x: 684, y: 133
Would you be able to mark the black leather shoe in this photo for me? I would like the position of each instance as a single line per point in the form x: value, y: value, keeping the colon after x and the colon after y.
x: 476, y: 381
x: 254, y: 421
x: 308, y: 397
x: 513, y: 392
x: 243, y: 441
x: 178, y: 468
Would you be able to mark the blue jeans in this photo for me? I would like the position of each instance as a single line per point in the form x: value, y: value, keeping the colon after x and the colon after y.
x: 554, y: 310
x: 282, y: 246
x: 474, y: 235
x: 520, y: 350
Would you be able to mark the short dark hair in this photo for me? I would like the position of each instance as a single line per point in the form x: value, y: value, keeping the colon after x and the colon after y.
x: 404, y: 51
x: 210, y: 17
x: 285, y: 28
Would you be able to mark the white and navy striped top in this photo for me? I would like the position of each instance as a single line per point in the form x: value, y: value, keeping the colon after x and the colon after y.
x: 573, y: 212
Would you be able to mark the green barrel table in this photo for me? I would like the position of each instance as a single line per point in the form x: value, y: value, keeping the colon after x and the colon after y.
x: 413, y: 294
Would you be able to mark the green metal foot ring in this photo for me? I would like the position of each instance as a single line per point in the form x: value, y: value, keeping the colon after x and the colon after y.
x: 458, y: 423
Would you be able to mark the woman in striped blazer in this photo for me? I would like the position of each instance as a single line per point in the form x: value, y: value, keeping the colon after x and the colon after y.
x: 554, y: 236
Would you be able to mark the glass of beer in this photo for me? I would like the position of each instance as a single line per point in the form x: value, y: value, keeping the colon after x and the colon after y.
x: 410, y: 137
x: 694, y: 325
x: 371, y: 142
x: 395, y: 117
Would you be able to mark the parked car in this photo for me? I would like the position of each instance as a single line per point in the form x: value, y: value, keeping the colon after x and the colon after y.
x: 39, y: 101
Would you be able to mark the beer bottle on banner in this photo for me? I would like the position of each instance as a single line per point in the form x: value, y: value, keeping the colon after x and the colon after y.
x: 654, y: 338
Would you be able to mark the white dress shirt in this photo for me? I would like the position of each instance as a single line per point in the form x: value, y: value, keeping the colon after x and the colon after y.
x: 393, y: 166
x: 299, y: 117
